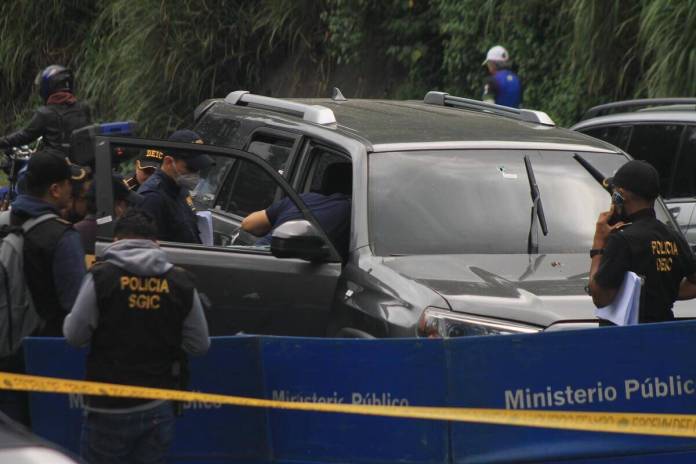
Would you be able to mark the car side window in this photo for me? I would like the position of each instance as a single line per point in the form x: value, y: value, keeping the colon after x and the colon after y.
x: 320, y: 159
x: 616, y: 135
x: 685, y: 172
x: 657, y: 144
x: 247, y: 188
x: 274, y: 150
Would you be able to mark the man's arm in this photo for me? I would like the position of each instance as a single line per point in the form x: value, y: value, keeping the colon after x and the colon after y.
x: 194, y: 332
x: 68, y: 268
x: 490, y: 90
x: 257, y: 223
x: 84, y: 316
x: 606, y: 270
x: 687, y: 288
x: 33, y: 131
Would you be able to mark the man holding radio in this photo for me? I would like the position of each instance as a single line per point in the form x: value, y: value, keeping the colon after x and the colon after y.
x: 629, y: 237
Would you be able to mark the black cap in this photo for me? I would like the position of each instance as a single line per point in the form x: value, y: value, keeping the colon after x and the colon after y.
x: 151, y: 159
x: 639, y: 177
x: 195, y: 161
x: 48, y: 167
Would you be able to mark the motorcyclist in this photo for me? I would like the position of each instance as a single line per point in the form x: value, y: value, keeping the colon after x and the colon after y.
x: 60, y: 115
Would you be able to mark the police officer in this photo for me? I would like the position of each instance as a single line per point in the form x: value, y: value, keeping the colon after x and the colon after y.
x: 140, y: 315
x: 166, y: 194
x: 640, y: 243
x: 503, y: 87
x: 145, y: 166
x: 60, y: 115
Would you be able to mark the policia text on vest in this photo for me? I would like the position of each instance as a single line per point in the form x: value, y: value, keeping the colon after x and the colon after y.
x: 664, y: 250
x: 144, y: 291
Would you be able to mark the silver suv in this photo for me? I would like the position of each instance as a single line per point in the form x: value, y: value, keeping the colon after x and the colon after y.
x: 467, y: 218
x: 661, y: 132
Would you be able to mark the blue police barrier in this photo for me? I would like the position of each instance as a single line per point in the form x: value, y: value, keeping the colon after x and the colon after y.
x: 393, y: 372
x: 204, y: 433
x: 646, y: 368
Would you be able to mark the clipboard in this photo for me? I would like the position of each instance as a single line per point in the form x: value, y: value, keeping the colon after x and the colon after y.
x: 624, y: 309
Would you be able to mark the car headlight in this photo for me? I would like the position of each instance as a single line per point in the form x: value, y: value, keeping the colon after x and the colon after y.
x: 435, y: 322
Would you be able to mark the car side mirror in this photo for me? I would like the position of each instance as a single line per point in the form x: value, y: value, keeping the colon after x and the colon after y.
x: 299, y: 239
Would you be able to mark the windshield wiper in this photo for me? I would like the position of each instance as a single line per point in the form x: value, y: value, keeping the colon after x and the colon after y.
x: 538, y: 217
x: 594, y: 172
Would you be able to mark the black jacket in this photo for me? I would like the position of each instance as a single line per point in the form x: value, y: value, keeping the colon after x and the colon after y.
x: 171, y: 207
x: 55, y: 123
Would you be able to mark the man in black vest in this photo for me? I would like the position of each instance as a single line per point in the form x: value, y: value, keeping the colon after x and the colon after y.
x: 60, y: 115
x: 141, y: 315
x: 54, y: 262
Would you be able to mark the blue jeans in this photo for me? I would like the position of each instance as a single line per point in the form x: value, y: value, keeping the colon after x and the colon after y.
x: 139, y: 437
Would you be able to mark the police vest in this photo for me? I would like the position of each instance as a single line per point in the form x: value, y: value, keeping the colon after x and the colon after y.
x: 138, y: 338
x: 39, y: 249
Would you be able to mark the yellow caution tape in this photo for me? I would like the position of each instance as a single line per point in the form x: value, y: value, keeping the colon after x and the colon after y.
x: 674, y: 425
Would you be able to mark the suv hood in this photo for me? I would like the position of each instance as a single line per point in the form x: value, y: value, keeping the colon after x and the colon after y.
x: 537, y: 289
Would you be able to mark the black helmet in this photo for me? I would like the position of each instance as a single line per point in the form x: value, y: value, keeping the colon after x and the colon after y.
x: 53, y: 79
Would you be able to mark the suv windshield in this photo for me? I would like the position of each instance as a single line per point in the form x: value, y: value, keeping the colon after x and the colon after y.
x: 478, y: 201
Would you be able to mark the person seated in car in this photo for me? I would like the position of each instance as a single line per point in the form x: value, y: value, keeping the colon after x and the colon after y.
x: 331, y: 208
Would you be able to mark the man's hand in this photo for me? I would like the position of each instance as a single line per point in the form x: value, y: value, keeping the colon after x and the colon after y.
x: 603, y: 229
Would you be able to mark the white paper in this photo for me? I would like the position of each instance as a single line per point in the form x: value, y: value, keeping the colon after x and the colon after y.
x: 205, y: 227
x: 624, y: 309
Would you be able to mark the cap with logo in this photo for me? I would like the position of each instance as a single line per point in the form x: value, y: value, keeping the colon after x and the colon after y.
x: 152, y: 159
x: 639, y: 177
x: 497, y: 54
x: 195, y: 160
x: 49, y: 167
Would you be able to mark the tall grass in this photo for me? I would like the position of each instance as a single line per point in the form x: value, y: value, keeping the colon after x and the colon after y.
x: 668, y: 40
x: 155, y: 60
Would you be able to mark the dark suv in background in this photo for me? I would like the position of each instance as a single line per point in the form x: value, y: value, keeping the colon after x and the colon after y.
x: 661, y: 131
x: 467, y: 218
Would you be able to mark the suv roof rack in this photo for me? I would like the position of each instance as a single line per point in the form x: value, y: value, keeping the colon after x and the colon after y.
x: 445, y: 99
x: 311, y: 113
x: 634, y: 104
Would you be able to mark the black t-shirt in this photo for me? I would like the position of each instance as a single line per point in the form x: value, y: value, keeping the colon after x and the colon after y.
x: 654, y: 251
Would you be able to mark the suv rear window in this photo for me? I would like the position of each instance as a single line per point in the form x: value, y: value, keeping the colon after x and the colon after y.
x: 476, y: 201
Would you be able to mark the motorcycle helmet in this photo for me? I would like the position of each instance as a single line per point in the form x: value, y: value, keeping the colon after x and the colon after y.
x: 53, y: 79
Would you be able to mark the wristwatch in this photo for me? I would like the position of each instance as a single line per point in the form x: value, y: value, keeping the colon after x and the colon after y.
x: 596, y: 251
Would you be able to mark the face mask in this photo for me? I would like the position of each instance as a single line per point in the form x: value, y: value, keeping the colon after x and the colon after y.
x: 187, y: 181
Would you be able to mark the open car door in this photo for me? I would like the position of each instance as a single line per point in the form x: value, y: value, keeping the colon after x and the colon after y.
x: 284, y: 289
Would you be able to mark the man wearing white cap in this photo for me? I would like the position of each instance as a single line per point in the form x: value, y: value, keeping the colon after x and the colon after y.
x: 503, y: 87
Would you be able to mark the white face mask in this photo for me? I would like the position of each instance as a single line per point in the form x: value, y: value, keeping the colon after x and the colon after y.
x: 187, y: 181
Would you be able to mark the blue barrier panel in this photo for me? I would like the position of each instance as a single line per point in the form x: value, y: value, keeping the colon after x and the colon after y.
x: 647, y: 368
x: 635, y: 369
x: 204, y: 433
x: 401, y: 372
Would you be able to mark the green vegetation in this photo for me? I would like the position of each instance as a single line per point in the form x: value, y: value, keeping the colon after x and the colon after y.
x: 154, y: 60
